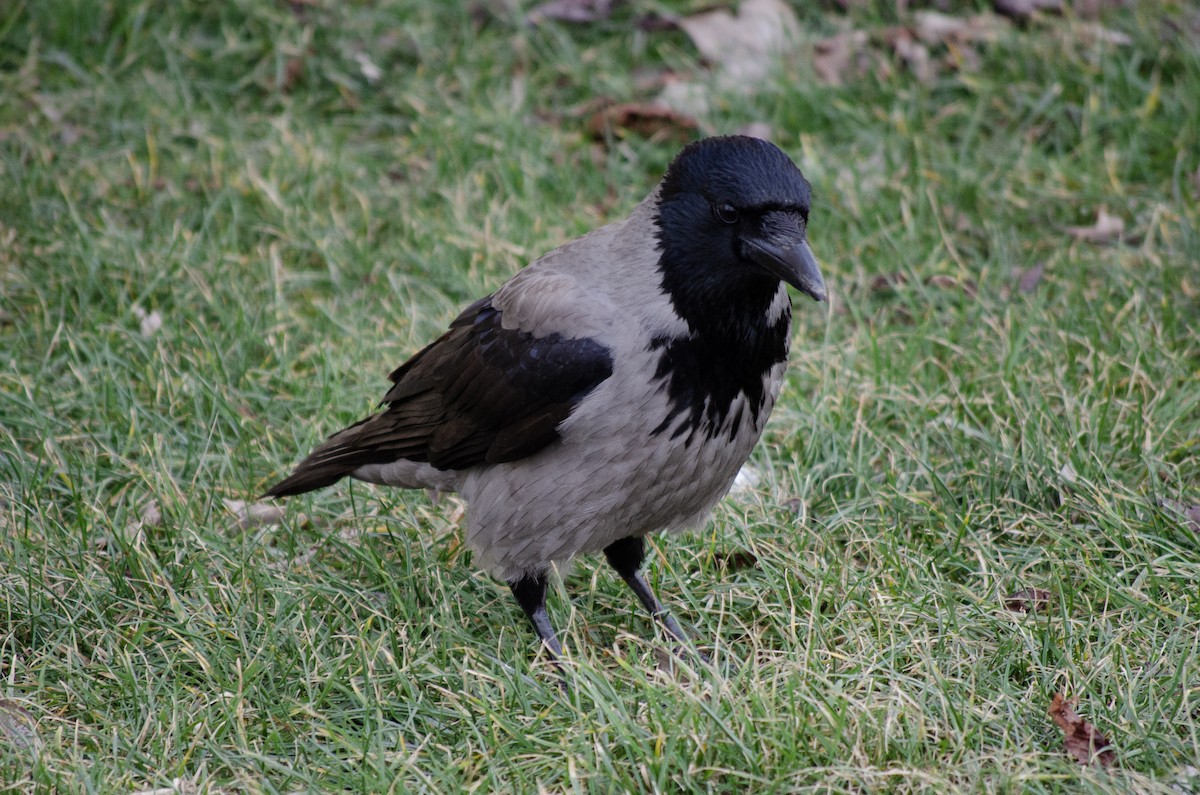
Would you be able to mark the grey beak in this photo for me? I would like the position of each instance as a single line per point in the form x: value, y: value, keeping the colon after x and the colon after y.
x: 788, y: 257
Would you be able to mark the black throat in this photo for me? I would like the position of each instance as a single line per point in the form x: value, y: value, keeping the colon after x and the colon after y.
x: 730, y: 348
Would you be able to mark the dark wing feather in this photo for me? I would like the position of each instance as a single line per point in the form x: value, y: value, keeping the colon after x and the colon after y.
x: 479, y: 394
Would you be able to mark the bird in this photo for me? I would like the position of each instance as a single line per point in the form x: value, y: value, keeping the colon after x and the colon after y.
x: 611, y: 389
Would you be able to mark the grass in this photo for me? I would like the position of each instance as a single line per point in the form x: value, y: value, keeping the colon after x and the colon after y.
x: 944, y: 439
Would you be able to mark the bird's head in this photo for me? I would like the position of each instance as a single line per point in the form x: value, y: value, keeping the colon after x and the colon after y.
x: 735, y: 210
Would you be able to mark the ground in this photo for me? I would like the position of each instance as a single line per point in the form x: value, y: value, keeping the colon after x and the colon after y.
x: 223, y: 224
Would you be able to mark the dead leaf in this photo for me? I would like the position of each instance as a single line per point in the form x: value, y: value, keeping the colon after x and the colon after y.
x: 1191, y: 513
x: 914, y: 54
x: 932, y: 27
x: 654, y: 22
x: 1083, y: 742
x: 1029, y: 278
x: 17, y: 726
x: 744, y: 47
x: 756, y: 129
x: 575, y: 12
x: 1107, y: 229
x: 648, y: 120
x: 837, y: 57
x: 737, y: 560
x: 1093, y: 32
x: 254, y: 514
x: 1028, y: 600
x: 1022, y: 10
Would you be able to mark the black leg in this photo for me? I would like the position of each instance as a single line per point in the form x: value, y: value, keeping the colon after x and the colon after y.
x: 626, y: 556
x: 530, y: 591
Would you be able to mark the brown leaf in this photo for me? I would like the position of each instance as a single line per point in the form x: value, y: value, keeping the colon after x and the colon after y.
x: 1029, y: 278
x: 841, y: 56
x: 576, y: 12
x: 744, y: 47
x: 1022, y: 10
x: 1029, y: 600
x: 17, y: 726
x: 254, y: 514
x: 737, y: 560
x: 1107, y: 229
x: 648, y: 120
x: 1083, y: 742
x: 932, y: 27
x: 756, y: 129
x: 1191, y: 513
x: 914, y: 54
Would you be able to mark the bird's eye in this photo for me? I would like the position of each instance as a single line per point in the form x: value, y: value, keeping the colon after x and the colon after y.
x: 725, y: 213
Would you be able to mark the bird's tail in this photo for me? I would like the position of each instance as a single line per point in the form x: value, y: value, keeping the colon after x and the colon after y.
x: 334, y: 459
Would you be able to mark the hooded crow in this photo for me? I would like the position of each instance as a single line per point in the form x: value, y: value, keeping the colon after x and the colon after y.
x: 611, y: 389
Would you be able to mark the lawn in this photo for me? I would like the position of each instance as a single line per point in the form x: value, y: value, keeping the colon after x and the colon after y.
x: 223, y: 224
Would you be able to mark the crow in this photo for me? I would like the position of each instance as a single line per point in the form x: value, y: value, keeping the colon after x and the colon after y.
x: 611, y: 389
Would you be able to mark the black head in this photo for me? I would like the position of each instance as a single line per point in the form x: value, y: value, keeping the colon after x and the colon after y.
x: 733, y: 216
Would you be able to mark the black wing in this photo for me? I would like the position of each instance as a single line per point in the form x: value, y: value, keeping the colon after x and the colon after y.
x: 479, y: 394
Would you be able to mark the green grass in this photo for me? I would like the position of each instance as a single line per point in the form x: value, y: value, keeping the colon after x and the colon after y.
x: 941, y: 442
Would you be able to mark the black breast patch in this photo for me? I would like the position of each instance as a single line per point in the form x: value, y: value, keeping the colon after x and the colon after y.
x: 704, y: 371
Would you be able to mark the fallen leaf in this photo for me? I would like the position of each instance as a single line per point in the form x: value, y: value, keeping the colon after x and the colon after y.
x: 1191, y: 513
x: 254, y: 514
x: 932, y: 27
x: 756, y: 129
x: 835, y: 57
x: 1093, y: 32
x: 576, y: 12
x: 1107, y: 229
x: 914, y: 54
x: 1029, y: 278
x: 736, y: 561
x: 1022, y: 10
x: 654, y: 22
x: 1028, y: 600
x: 17, y: 726
x: 1083, y: 741
x: 648, y: 120
x: 744, y: 47
x: 794, y: 505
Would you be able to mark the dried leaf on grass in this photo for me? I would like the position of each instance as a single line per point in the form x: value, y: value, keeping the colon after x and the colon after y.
x: 1191, y: 513
x: 1083, y: 741
x: 1029, y: 278
x: 254, y: 514
x: 648, y: 120
x: 17, y: 727
x: 1022, y: 10
x: 744, y: 47
x: 1028, y: 600
x: 577, y: 12
x: 1107, y: 229
x: 845, y: 55
x: 737, y: 560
